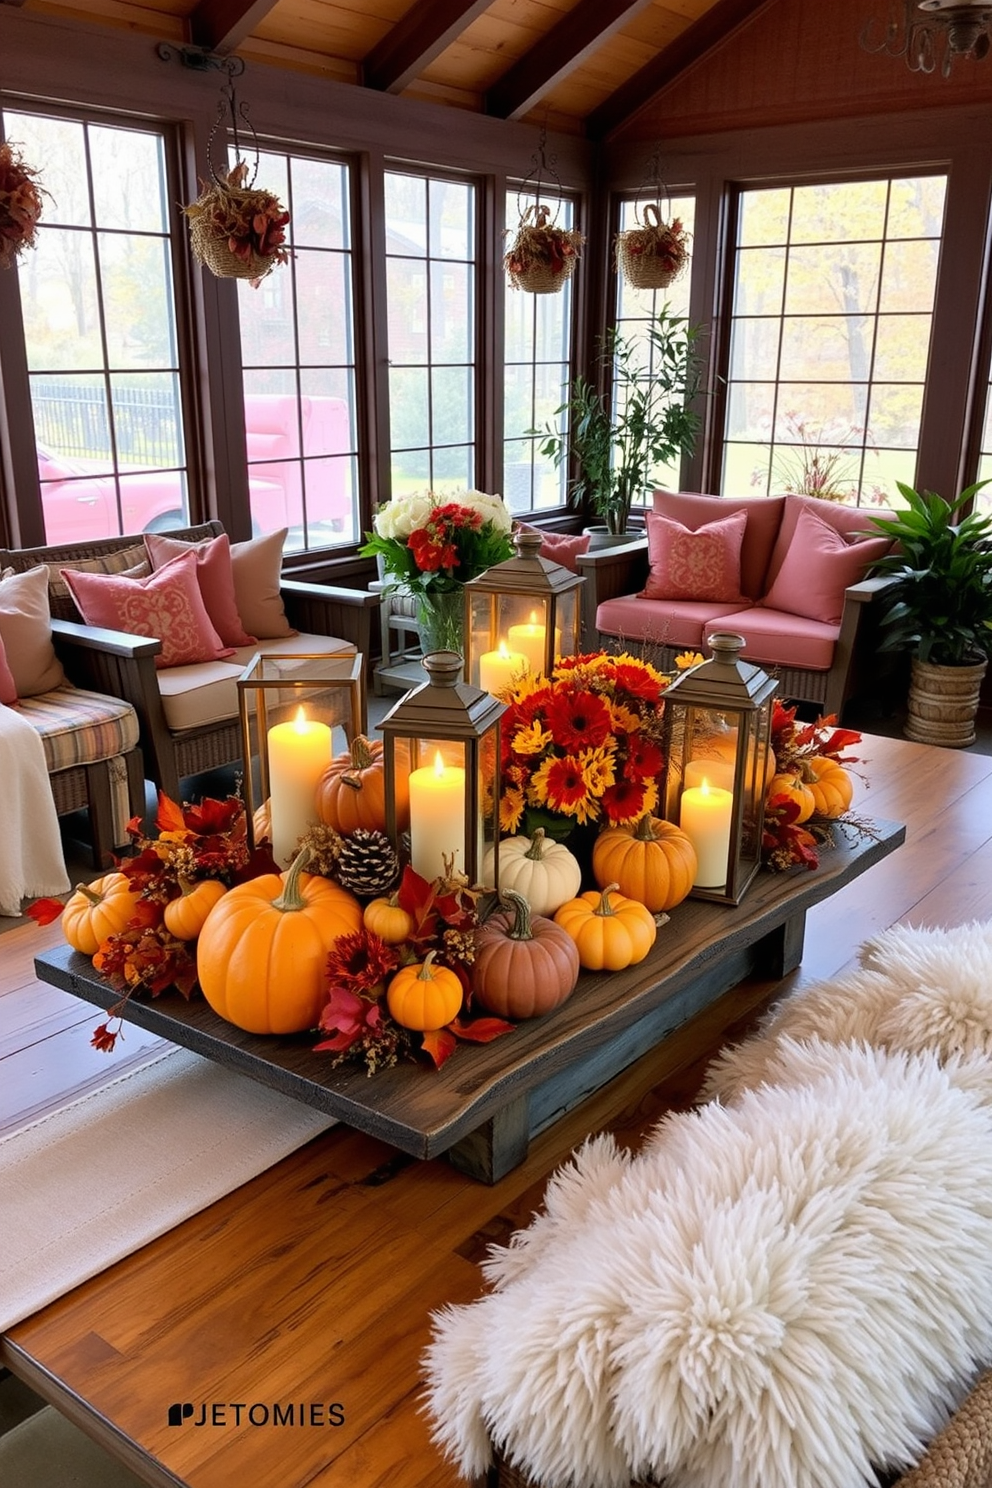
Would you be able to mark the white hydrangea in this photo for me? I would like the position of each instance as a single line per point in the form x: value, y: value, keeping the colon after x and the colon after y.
x: 404, y: 514
x: 492, y: 508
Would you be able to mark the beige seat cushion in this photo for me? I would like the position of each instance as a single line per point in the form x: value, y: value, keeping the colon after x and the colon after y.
x: 207, y: 693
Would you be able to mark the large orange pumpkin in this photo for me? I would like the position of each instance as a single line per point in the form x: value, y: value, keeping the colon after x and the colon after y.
x: 262, y: 951
x: 351, y: 793
x: 832, y: 787
x: 654, y: 862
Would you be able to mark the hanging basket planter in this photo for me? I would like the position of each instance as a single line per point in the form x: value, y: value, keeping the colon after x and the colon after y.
x: 237, y: 231
x: 541, y: 256
x: 653, y: 254
x: 20, y: 205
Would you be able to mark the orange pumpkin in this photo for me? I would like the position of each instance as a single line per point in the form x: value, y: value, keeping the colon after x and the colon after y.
x: 788, y: 783
x: 386, y: 918
x: 262, y: 951
x: 654, y: 862
x: 832, y: 787
x: 351, y: 793
x: 184, y: 917
x: 525, y: 965
x: 97, y: 910
x: 423, y: 996
x: 610, y: 931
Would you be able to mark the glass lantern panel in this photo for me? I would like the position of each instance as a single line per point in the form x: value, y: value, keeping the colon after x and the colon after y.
x: 568, y: 625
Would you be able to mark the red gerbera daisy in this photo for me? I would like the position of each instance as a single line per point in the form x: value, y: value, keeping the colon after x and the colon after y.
x: 644, y: 757
x: 565, y: 784
x: 637, y: 681
x: 579, y: 720
x: 623, y: 802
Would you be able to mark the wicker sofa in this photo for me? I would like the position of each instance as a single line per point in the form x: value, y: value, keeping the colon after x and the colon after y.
x: 203, y: 734
x: 817, y: 655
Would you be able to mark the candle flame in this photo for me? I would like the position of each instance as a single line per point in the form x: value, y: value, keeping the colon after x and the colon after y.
x: 504, y: 650
x: 438, y: 763
x: 533, y: 617
x: 300, y: 721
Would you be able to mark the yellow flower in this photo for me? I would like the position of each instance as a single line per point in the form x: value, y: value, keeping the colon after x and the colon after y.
x: 511, y: 810
x: 531, y: 740
x: 598, y: 769
x: 624, y: 719
x: 687, y: 659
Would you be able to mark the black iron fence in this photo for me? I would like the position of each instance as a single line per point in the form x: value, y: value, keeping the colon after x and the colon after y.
x: 73, y: 420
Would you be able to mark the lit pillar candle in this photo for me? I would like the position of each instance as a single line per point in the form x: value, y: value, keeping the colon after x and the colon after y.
x: 299, y: 753
x: 529, y: 639
x: 500, y: 668
x: 437, y: 818
x: 709, y: 772
x: 705, y: 817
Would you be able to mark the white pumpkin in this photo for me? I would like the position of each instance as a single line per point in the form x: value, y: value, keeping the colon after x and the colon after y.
x: 541, y: 870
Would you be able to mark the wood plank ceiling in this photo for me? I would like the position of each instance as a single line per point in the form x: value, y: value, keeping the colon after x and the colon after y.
x: 581, y: 66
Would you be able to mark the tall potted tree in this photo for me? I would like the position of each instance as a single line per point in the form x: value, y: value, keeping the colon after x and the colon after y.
x: 939, y: 609
x: 619, y: 438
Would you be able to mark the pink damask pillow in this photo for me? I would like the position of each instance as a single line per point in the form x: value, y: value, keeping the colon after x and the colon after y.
x: 168, y: 604
x: 818, y: 566
x: 560, y: 547
x: 8, y: 688
x: 704, y: 564
x: 215, y: 576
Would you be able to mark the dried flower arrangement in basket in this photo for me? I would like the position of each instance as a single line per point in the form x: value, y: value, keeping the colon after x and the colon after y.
x: 20, y: 205
x: 654, y: 253
x: 237, y: 230
x: 541, y: 256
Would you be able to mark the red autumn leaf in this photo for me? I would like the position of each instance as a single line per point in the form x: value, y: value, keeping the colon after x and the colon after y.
x: 213, y: 817
x: 260, y: 862
x: 44, y: 911
x: 480, y: 1030
x: 440, y: 1044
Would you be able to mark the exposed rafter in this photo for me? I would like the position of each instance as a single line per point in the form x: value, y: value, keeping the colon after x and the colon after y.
x: 713, y: 27
x: 221, y: 25
x: 575, y: 36
x: 415, y: 41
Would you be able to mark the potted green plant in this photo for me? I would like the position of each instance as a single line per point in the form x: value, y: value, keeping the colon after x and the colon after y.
x: 619, y: 438
x: 939, y: 609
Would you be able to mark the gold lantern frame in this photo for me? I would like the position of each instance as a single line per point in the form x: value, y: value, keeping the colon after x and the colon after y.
x: 717, y: 719
x: 446, y: 711
x: 536, y: 598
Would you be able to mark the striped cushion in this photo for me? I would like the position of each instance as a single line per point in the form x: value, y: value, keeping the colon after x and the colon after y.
x: 78, y: 727
x: 132, y: 561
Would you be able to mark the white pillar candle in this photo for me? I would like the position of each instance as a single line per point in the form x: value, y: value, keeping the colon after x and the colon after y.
x: 705, y: 817
x: 530, y: 640
x: 299, y: 753
x: 437, y: 818
x: 500, y: 668
x: 710, y: 772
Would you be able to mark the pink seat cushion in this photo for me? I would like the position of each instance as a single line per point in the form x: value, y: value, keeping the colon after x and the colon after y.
x: 820, y: 564
x: 764, y: 513
x: 215, y: 576
x: 560, y: 547
x: 702, y: 563
x: 773, y: 638
x: 675, y: 622
x: 168, y: 604
x: 8, y: 688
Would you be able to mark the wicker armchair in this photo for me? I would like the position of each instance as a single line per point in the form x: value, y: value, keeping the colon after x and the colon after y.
x: 124, y: 665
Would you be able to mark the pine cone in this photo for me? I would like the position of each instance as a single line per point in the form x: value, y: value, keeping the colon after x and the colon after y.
x: 366, y: 863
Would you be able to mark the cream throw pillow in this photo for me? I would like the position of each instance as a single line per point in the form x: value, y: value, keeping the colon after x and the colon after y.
x: 257, y: 568
x: 26, y: 630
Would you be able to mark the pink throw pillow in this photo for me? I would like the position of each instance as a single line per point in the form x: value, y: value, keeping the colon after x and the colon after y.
x: 700, y: 564
x: 215, y: 576
x: 560, y: 547
x: 818, y: 566
x: 167, y: 604
x: 8, y: 688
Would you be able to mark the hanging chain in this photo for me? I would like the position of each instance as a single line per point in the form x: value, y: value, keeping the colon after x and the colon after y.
x: 542, y: 166
x: 229, y: 111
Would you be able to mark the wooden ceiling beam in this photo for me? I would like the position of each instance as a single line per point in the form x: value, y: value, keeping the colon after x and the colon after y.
x: 415, y: 41
x: 565, y: 46
x: 712, y: 28
x: 219, y: 26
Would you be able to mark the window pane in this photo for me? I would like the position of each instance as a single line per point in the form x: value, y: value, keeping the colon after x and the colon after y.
x: 409, y: 407
x: 451, y: 405
x: 123, y: 165
x: 137, y: 300
x: 60, y: 300
x: 760, y: 281
x: 754, y: 348
x: 843, y: 282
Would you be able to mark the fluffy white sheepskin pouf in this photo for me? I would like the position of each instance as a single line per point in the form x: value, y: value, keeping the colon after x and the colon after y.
x: 778, y: 1294
x: 916, y: 990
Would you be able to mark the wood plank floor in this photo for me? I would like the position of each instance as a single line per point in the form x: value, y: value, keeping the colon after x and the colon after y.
x: 395, y: 1238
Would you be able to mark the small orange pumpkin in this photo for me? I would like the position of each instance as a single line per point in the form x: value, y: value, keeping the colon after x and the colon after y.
x: 790, y: 784
x: 97, y: 910
x: 832, y: 787
x: 351, y: 793
x: 654, y: 862
x: 387, y: 918
x: 423, y: 996
x: 184, y: 917
x: 609, y: 930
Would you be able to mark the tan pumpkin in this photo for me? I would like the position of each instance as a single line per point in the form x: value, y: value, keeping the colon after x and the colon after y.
x: 97, y: 910
x: 261, y: 823
x: 832, y: 787
x: 610, y: 931
x: 788, y: 783
x: 184, y: 917
x: 654, y: 862
x: 262, y: 951
x: 424, y: 996
x: 525, y: 965
x: 387, y: 918
x: 351, y: 793
x: 545, y: 872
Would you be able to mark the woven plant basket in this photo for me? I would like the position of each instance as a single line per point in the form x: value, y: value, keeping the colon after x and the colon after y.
x: 542, y: 256
x: 653, y: 254
x: 220, y: 210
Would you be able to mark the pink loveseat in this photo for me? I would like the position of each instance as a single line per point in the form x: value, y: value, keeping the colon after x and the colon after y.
x: 785, y: 572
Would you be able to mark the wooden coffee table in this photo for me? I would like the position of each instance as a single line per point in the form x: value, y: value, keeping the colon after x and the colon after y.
x: 487, y: 1102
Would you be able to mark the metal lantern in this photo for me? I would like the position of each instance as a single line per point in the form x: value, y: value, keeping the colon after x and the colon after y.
x: 718, y: 762
x: 520, y: 616
x: 441, y: 764
x: 289, y: 706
